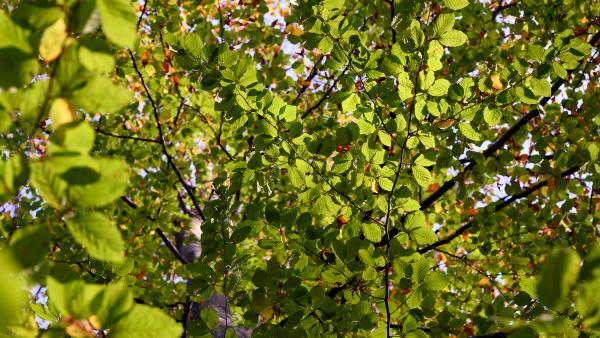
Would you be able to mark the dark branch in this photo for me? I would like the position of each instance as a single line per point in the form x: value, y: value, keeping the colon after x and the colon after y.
x: 126, y: 137
x: 492, y: 335
x: 501, y: 8
x: 165, y: 151
x: 142, y: 14
x: 326, y: 94
x: 308, y: 79
x: 186, y: 314
x: 170, y: 245
x: 501, y: 141
x: 497, y: 207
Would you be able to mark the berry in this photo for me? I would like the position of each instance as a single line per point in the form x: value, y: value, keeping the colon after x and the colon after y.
x: 339, y: 149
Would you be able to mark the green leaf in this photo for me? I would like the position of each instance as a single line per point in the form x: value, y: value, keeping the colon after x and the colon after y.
x: 30, y: 244
x: 75, y: 136
x: 350, y: 103
x: 365, y: 127
x: 591, y: 266
x: 456, y: 4
x: 453, y: 38
x: 118, y: 21
x: 559, y: 70
x: 146, y: 322
x: 414, y: 220
x: 97, y: 234
x: 385, y: 183
x: 423, y: 236
x: 112, y: 304
x: 96, y: 56
x: 46, y: 180
x: 439, y: 88
x: 372, y: 232
x: 10, y: 291
x: 587, y: 303
x: 443, y: 23
x: 297, y: 178
x: 540, y: 87
x: 210, y: 317
x: 108, y: 187
x: 93, y: 96
x: 324, y: 205
x: 422, y: 176
x: 559, y: 274
x: 16, y: 53
x: 536, y: 52
x: 385, y: 138
x: 492, y: 116
x: 14, y: 172
x: 73, y: 298
x: 467, y: 130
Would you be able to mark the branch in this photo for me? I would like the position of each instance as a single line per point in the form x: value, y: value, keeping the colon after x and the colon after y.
x: 186, y: 314
x: 501, y: 8
x: 308, y: 79
x: 170, y: 245
x: 501, y: 141
x: 492, y: 335
x: 326, y: 95
x: 142, y: 14
x: 125, y: 137
x: 497, y: 207
x: 160, y: 233
x: 162, y: 140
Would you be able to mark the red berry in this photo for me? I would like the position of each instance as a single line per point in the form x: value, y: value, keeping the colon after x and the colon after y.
x: 347, y: 147
x: 339, y: 149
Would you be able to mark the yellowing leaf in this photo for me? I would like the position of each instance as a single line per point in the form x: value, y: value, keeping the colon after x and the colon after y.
x: 496, y: 83
x: 53, y: 39
x: 294, y: 29
x: 61, y: 112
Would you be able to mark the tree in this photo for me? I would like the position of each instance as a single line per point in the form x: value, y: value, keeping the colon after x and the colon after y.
x: 375, y: 168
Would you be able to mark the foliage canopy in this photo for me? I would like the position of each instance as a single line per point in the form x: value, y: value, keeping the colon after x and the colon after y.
x: 374, y: 168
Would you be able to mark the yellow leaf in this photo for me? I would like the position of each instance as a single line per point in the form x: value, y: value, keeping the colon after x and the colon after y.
x: 53, y: 39
x: 444, y: 123
x: 294, y: 29
x: 496, y: 83
x: 61, y: 112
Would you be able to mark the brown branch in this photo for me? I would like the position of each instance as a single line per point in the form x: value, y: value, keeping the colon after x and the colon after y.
x: 142, y: 14
x: 187, y: 307
x: 126, y: 137
x: 501, y: 8
x: 170, y: 245
x: 165, y: 151
x: 497, y: 207
x: 308, y: 79
x: 501, y: 141
x: 160, y: 233
x: 326, y: 94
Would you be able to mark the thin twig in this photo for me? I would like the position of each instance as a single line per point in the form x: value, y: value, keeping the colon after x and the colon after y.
x: 126, y: 137
x: 308, y: 79
x: 170, y: 245
x: 163, y: 144
x: 326, y: 94
x: 497, y: 207
x: 142, y: 14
